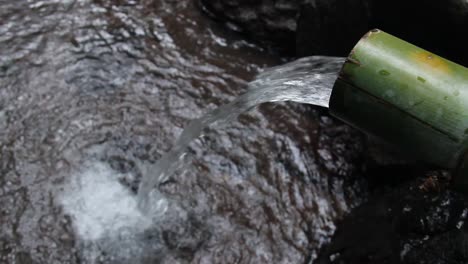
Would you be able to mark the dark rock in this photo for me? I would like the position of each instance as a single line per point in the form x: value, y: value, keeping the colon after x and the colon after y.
x: 332, y: 27
x: 420, y: 221
x: 272, y: 22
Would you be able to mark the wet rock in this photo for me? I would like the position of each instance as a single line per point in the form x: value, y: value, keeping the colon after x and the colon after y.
x: 420, y: 221
x: 324, y: 27
x: 271, y: 22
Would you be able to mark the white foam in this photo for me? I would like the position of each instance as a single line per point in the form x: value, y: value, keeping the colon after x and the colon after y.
x: 100, y: 206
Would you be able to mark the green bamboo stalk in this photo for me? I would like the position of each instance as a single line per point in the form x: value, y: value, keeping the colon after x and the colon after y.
x: 409, y: 97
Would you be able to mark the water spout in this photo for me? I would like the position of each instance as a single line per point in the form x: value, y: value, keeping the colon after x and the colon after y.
x: 307, y: 80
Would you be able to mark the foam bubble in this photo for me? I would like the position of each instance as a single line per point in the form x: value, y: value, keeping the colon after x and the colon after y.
x: 100, y: 206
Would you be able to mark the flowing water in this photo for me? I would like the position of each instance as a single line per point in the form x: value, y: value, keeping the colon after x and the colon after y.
x: 307, y: 80
x: 93, y: 92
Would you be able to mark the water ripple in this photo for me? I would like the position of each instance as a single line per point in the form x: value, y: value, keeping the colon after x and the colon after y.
x: 109, y: 85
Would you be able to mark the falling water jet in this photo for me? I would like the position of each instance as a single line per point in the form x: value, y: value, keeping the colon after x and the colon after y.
x: 307, y: 80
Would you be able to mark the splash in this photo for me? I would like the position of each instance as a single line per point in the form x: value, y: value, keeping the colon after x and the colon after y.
x: 101, y: 206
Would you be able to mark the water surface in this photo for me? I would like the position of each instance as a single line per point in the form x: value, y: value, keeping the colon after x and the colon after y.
x: 91, y: 92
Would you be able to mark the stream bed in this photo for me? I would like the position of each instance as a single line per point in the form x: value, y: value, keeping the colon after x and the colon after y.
x: 91, y: 91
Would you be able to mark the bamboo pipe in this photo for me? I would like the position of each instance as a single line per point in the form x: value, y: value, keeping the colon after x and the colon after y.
x: 409, y: 97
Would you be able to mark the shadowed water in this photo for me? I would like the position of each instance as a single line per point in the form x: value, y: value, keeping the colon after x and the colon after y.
x: 93, y: 92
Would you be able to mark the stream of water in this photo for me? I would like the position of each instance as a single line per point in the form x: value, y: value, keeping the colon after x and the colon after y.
x: 307, y: 80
